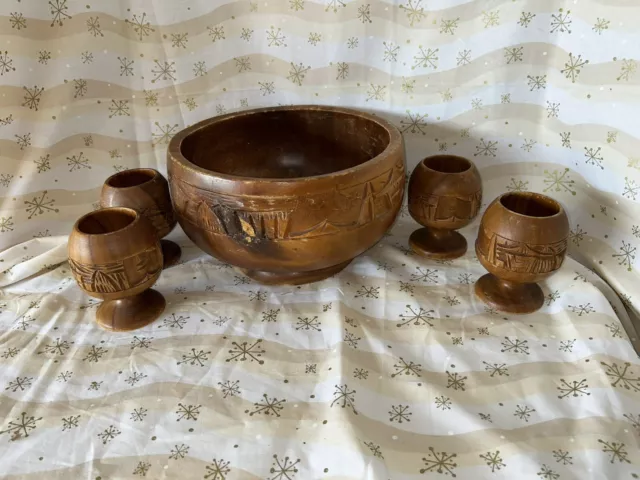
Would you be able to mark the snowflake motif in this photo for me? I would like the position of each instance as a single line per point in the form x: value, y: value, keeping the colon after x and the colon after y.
x: 270, y: 315
x: 575, y: 389
x: 367, y: 292
x: 547, y: 473
x: 5, y: 179
x: 634, y: 419
x: 244, y: 103
x: 420, y: 317
x: 191, y: 104
x: 216, y: 33
x: 17, y: 21
x: 565, y: 137
x: 243, y: 64
x: 603, y: 209
x: 257, y: 296
x: 126, y: 67
x: 350, y: 339
x: 79, y: 88
x: 577, y: 235
x: 390, y: 52
x: 414, y: 123
x: 194, y: 357
x: 94, y: 354
x: 518, y: 185
x: 537, y: 82
x: 493, y: 460
x: 360, y: 373
x: 486, y: 417
x: 523, y: 412
x: 138, y: 414
x: 563, y: 457
x: 464, y: 57
x: 23, y: 141
x: 21, y: 383
x: 188, y: 412
x: 70, y: 422
x: 561, y: 22
x: 455, y: 381
x: 6, y: 224
x: 310, y: 368
x: 306, y: 323
x: 297, y: 73
x: 8, y: 120
x: 6, y: 63
x: 142, y: 468
x: 447, y: 96
x: 242, y: 352
x: 486, y: 148
x: 179, y: 40
x: 86, y: 57
x: 622, y: 376
x: 425, y: 275
x: 296, y: 5
x: 220, y: 321
x: 614, y: 330
x: 601, y: 25
x: 626, y: 255
x: 88, y: 141
x: 441, y: 462
x: 630, y: 188
x: 627, y: 70
x: 415, y: 13
x: 364, y: 13
x: 58, y: 11
x: 452, y: 301
x: 180, y: 451
x: 352, y: 42
x: 426, y: 59
x: 275, y: 37
x: 573, y: 67
x: 375, y: 449
x: 217, y: 470
x: 585, y: 309
x: 165, y: 133
x: 165, y: 71
x: 552, y: 297
x: 343, y: 70
x: 64, y: 376
x: 553, y: 109
x: 376, y: 92
x: 476, y: 104
x: 515, y: 346
x: 93, y: 26
x: 109, y: 434
x: 32, y: 97
x: 77, y: 162
x: 229, y: 388
x: 266, y: 88
x: 525, y: 19
x: 443, y: 403
x: 283, y: 469
x: 344, y: 397
x: 465, y: 278
x: 617, y: 451
x: 491, y: 18
x: 21, y: 426
x: 406, y: 368
x: 268, y: 406
x: 58, y: 347
x: 558, y: 182
x: 119, y: 108
x: 483, y: 331
x: 334, y: 5
x: 400, y: 413
x: 142, y: 28
x: 505, y: 98
x: 10, y: 353
x: 499, y: 369
x: 246, y: 34
x: 449, y: 26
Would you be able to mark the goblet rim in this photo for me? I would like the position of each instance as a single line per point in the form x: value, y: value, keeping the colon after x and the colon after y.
x: 468, y: 163
x: 130, y: 211
x: 532, y: 195
x: 153, y: 171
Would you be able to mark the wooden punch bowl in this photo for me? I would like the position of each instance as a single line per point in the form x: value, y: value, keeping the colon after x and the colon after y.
x: 289, y: 195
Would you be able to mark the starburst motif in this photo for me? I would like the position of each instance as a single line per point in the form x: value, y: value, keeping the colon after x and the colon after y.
x: 343, y: 70
x: 415, y: 317
x: 8, y: 120
x: 628, y: 69
x: 426, y: 59
x: 142, y: 28
x: 164, y: 133
x: 126, y: 66
x: 10, y: 353
x: 476, y: 103
x: 64, y: 376
x: 601, y: 25
x: 390, y: 52
x: 483, y: 331
x: 367, y: 292
x: 179, y: 40
x: 165, y: 71
x: 5, y: 179
x: 523, y: 412
x: 537, y: 82
x: 360, y: 373
x: 20, y: 383
x: 243, y: 351
x: 229, y: 388
x: 573, y: 67
x: 21, y: 426
x: 577, y: 235
x: 217, y: 470
x: 375, y: 449
x: 195, y: 358
x: 493, y: 460
x: 634, y: 419
x: 243, y: 64
x: 526, y: 18
x: 270, y: 315
x: 505, y: 98
x: 138, y: 414
x: 179, y: 451
x: 630, y: 188
x: 191, y: 104
x: 364, y: 13
x: 87, y: 57
x: 616, y: 450
x: 58, y: 10
x: 296, y: 5
x: 297, y: 73
x: 77, y: 162
x: 246, y: 34
x: 17, y: 20
x: 188, y: 412
x: 306, y: 323
x: 79, y: 88
x: 142, y: 469
x: 216, y: 33
x: 491, y: 19
x: 552, y: 297
x: 93, y: 26
x: 486, y: 148
x: 376, y: 92
x: 352, y: 42
x: 626, y: 256
x: 494, y: 369
x: 559, y: 181
x: 119, y: 108
x: 32, y: 97
x: 283, y: 469
x: 344, y: 397
x: 518, y: 185
x: 440, y: 462
x: 464, y: 57
x: 449, y: 26
x: 414, y: 123
x: 40, y: 205
x: 334, y: 5
x: 6, y: 63
x: 553, y: 109
x: 109, y: 434
x: 351, y: 339
x: 267, y: 406
x: 515, y: 346
x: 574, y: 389
x: 400, y: 413
x: 6, y: 224
x: 513, y: 54
x: 622, y: 376
x: 562, y: 456
x: 415, y: 13
x: 403, y: 367
x: 546, y: 473
x: 70, y: 422
x: 425, y: 275
x: 443, y: 403
x: 560, y: 22
x: 57, y: 347
x: 266, y: 88
x: 565, y: 137
x: 452, y: 301
x: 275, y: 37
x: 455, y: 381
x: 94, y: 354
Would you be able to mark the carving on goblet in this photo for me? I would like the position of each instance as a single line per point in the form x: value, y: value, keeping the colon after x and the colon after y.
x: 445, y: 192
x: 147, y: 191
x: 522, y: 240
x: 114, y: 255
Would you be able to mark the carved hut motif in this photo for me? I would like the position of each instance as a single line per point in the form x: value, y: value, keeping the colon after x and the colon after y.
x: 436, y: 207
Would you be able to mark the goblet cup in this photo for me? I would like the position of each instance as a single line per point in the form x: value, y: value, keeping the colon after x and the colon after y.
x: 445, y: 192
x: 522, y: 240
x: 115, y: 255
x: 147, y: 191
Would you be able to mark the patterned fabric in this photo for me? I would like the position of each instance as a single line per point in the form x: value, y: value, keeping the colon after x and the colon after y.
x: 413, y: 377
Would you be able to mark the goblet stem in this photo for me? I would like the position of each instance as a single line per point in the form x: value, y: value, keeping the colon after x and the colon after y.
x: 438, y: 243
x: 132, y: 312
x: 507, y: 296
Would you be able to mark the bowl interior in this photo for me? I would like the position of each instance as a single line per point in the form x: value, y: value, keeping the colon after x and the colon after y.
x: 131, y: 178
x: 285, y: 143
x: 447, y: 163
x: 106, y: 221
x: 530, y: 205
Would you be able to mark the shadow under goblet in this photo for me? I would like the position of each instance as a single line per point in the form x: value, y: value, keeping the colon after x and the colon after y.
x: 114, y: 255
x: 147, y: 191
x: 522, y: 240
x: 445, y: 192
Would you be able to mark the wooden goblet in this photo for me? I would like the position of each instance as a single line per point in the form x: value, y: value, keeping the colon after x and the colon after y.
x: 115, y: 255
x: 147, y: 191
x: 522, y: 240
x: 445, y: 192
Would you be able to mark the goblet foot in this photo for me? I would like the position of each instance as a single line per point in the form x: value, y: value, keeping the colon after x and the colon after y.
x: 293, y: 278
x: 130, y: 313
x: 171, y: 252
x: 508, y: 296
x: 438, y: 244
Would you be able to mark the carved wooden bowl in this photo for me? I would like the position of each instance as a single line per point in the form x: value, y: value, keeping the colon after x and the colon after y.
x: 114, y: 255
x: 522, y: 240
x: 287, y: 194
x: 147, y: 191
x: 445, y: 192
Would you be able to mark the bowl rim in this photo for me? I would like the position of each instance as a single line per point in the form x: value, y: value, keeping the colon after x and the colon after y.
x: 531, y: 195
x: 154, y: 176
x: 129, y: 211
x: 175, y: 153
